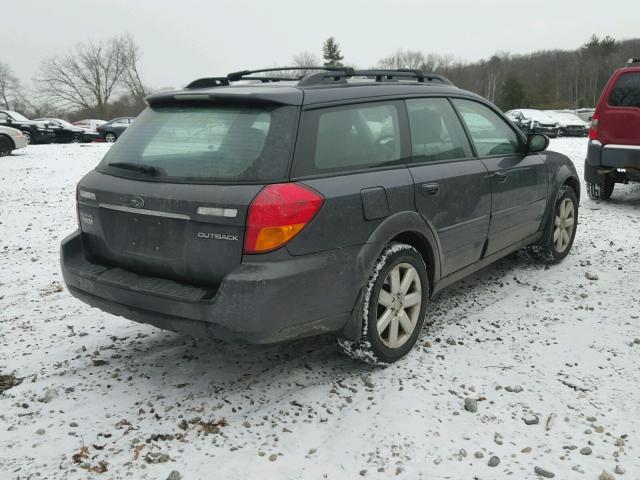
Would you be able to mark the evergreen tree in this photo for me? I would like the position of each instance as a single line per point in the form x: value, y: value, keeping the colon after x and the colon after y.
x: 513, y: 95
x: 331, y: 53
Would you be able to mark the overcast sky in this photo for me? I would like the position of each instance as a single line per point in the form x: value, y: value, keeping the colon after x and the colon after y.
x: 185, y: 39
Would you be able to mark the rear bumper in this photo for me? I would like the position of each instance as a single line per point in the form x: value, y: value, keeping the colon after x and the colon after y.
x: 19, y: 142
x: 551, y: 132
x: 613, y: 156
x: 258, y: 302
x: 571, y: 131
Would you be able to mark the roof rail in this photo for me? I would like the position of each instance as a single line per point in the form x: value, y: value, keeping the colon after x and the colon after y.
x: 324, y: 76
x: 631, y: 61
x: 380, y: 75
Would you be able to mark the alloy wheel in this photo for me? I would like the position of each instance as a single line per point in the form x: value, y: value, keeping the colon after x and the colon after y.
x: 110, y: 137
x: 399, y: 303
x: 564, y: 224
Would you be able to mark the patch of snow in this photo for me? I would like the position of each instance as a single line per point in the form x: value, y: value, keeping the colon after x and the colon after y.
x: 134, y: 401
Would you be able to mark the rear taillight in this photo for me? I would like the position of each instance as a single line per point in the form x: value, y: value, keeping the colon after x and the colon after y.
x: 277, y: 214
x: 593, y: 130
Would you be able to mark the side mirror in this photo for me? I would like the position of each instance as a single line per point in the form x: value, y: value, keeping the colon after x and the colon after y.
x: 9, y: 120
x: 536, y: 142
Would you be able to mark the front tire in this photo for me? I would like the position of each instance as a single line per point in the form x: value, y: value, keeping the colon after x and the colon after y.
x: 393, y: 307
x: 29, y: 137
x: 6, y: 146
x: 561, y: 228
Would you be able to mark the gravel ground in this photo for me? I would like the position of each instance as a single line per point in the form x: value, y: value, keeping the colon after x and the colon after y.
x: 524, y: 370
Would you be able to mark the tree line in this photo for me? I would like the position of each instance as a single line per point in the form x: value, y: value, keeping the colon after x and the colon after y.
x: 547, y: 79
x: 103, y: 80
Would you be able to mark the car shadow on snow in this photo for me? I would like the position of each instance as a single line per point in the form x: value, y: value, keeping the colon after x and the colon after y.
x: 174, y: 360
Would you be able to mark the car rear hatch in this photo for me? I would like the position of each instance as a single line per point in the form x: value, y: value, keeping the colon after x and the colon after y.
x: 170, y: 198
x: 617, y: 118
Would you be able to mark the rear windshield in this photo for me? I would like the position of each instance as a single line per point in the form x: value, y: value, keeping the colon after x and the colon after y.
x: 205, y: 144
x: 626, y: 92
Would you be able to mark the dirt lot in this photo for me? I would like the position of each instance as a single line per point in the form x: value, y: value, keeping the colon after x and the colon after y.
x: 104, y: 397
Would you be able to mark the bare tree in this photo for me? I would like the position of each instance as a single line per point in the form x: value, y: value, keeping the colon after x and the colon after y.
x: 86, y: 78
x: 416, y: 60
x: 403, y: 59
x: 130, y: 56
x: 9, y: 86
x: 305, y: 59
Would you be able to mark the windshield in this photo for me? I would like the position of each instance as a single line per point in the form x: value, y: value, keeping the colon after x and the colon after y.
x: 204, y: 143
x: 64, y: 123
x: 538, y: 115
x: 17, y: 116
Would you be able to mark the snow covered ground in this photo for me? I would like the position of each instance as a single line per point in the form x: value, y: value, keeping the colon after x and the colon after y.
x: 103, y: 394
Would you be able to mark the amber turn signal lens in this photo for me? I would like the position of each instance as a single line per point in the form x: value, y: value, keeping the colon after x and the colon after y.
x: 270, y: 238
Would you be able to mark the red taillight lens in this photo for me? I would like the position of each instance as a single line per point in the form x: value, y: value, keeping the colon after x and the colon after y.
x: 278, y: 214
x: 593, y: 130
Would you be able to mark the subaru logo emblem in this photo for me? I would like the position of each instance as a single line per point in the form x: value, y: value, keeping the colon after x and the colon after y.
x: 137, y: 202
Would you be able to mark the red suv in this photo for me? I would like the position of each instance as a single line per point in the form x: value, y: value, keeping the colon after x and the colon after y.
x: 614, y: 138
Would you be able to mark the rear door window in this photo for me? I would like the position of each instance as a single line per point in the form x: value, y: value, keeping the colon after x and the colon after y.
x: 491, y: 135
x: 436, y: 132
x: 349, y: 138
x: 225, y: 143
x: 626, y: 92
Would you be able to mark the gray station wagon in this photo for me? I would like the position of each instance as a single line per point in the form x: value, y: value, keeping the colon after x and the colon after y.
x: 264, y: 207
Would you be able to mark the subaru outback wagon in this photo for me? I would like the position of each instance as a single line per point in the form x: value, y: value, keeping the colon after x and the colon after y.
x: 264, y: 208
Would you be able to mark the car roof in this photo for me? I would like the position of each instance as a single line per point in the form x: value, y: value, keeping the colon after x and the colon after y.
x: 289, y: 93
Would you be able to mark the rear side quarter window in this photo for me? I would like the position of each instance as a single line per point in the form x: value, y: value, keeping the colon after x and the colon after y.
x: 349, y: 137
x: 626, y: 91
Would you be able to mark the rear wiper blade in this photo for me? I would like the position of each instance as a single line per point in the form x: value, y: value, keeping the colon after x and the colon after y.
x: 138, y: 167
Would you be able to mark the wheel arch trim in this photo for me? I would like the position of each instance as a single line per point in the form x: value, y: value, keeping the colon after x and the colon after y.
x: 409, y: 224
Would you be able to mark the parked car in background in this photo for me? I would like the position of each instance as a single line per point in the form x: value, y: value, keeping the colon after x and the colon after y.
x: 11, y: 139
x: 520, y: 121
x: 91, y: 124
x: 613, y: 155
x: 111, y: 130
x: 326, y: 205
x: 36, y: 132
x: 68, y: 133
x: 570, y: 124
x: 585, y: 114
x: 537, y: 121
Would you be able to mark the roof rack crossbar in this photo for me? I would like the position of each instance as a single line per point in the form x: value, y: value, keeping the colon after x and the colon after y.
x: 235, y: 76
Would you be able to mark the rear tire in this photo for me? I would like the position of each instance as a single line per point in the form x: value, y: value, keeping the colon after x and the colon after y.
x: 110, y: 137
x: 393, y: 307
x: 76, y: 138
x: 601, y: 191
x: 6, y: 146
x: 560, y: 230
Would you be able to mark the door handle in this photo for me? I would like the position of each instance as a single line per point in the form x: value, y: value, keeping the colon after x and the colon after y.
x: 500, y: 177
x: 430, y: 188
